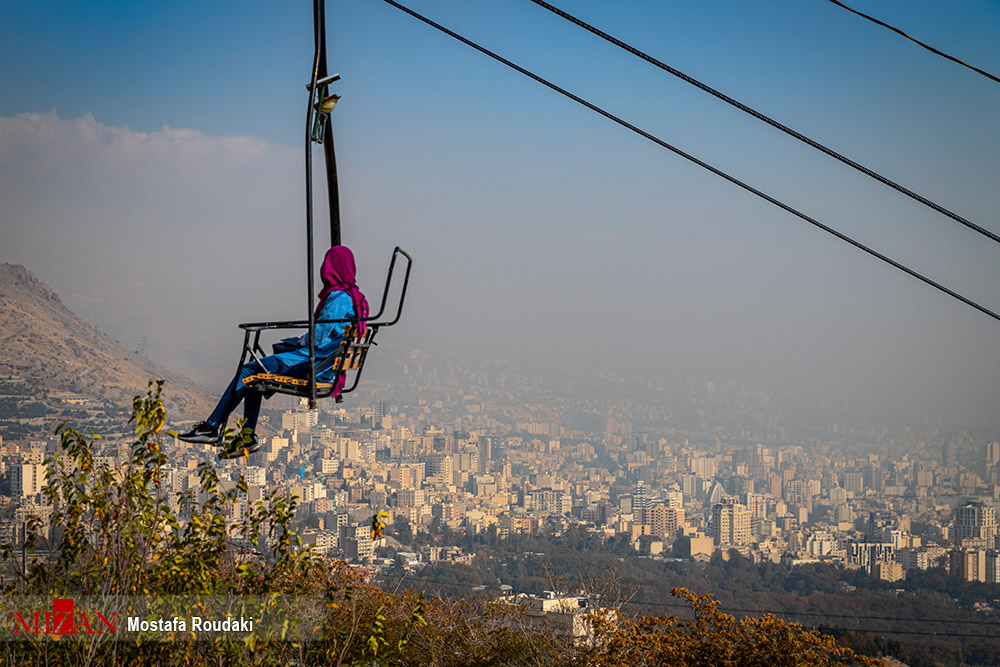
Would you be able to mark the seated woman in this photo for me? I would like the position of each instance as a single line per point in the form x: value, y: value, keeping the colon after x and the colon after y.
x: 340, y: 299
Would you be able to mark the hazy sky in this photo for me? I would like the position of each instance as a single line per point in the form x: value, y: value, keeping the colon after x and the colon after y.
x: 151, y: 172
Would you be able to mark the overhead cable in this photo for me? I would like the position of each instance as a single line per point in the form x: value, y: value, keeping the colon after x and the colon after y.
x: 786, y: 612
x: 916, y: 41
x: 868, y: 630
x: 766, y: 119
x: 779, y: 614
x: 824, y: 614
x: 691, y: 158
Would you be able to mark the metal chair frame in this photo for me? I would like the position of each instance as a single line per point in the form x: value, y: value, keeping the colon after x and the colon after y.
x: 350, y: 356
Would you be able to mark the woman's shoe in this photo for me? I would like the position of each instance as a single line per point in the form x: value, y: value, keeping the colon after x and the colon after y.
x: 201, y: 433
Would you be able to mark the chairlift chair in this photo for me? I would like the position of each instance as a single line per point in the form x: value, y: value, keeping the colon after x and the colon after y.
x: 350, y: 356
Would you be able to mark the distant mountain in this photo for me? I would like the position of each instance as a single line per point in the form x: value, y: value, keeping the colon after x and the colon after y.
x: 40, y: 337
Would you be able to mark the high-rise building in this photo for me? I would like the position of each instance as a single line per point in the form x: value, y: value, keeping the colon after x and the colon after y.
x: 730, y: 523
x: 991, y: 463
x: 774, y: 485
x: 797, y: 491
x: 664, y: 520
x: 547, y: 500
x: 401, y: 475
x: 992, y: 453
x: 703, y: 466
x: 918, y: 558
x: 888, y: 571
x: 410, y: 497
x: 440, y: 465
x: 26, y: 479
x: 949, y: 454
x: 925, y: 478
x: 485, y: 453
x: 878, y: 523
x: 967, y: 564
x: 468, y: 461
x: 869, y: 553
x: 757, y: 505
x: 356, y: 542
x: 639, y: 501
x: 691, y: 485
x: 992, y: 562
x: 975, y: 520
x: 873, y: 477
x: 853, y: 482
x: 838, y: 495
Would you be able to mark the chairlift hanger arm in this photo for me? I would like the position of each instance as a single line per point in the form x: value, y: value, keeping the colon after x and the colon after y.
x: 319, y: 83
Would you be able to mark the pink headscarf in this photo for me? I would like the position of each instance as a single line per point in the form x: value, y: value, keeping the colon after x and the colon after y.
x: 338, y: 274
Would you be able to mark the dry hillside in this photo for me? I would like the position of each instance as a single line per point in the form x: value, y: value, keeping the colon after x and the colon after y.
x: 41, y: 337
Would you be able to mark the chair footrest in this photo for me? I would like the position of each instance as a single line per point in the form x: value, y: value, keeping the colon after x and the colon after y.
x: 270, y: 383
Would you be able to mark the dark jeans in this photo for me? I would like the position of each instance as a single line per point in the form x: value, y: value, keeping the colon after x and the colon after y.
x: 237, y: 391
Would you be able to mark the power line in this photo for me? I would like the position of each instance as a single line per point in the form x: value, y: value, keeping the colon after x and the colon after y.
x: 823, y: 614
x: 923, y: 633
x: 781, y: 614
x: 700, y: 163
x: 726, y: 608
x: 766, y: 119
x: 917, y: 41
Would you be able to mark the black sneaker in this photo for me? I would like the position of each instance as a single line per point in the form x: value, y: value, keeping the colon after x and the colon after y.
x: 201, y: 433
x: 246, y: 445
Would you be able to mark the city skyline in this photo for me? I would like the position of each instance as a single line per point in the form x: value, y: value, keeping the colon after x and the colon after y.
x: 495, y: 451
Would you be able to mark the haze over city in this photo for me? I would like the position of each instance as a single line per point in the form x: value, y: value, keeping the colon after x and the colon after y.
x: 150, y: 171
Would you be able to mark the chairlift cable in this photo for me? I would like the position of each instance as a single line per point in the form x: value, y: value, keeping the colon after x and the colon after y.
x: 766, y: 119
x: 916, y: 41
x: 691, y: 158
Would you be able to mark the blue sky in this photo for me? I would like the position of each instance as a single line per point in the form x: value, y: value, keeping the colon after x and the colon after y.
x: 163, y: 142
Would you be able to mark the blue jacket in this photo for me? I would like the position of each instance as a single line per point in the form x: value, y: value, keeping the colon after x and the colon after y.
x: 338, y: 306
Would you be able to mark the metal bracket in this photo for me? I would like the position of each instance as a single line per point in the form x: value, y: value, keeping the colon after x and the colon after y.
x: 325, y: 81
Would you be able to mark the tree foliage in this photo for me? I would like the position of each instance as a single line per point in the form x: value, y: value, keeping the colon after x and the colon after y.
x: 718, y: 639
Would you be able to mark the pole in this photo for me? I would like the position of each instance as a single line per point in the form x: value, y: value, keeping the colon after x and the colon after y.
x: 332, y: 189
x: 317, y: 30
